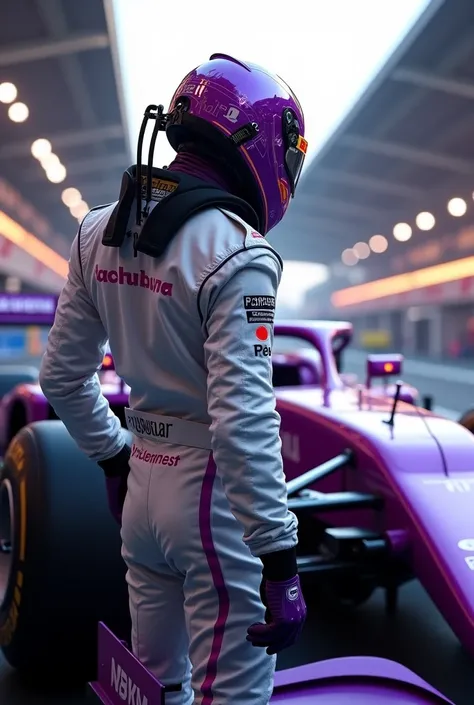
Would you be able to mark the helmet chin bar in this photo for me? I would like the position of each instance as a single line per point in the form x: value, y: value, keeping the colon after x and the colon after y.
x: 162, y: 121
x: 153, y: 112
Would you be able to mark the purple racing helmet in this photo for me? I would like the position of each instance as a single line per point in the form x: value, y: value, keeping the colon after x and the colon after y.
x: 252, y: 122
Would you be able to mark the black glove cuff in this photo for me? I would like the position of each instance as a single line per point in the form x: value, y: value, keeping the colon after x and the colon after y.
x: 118, y: 465
x: 280, y: 565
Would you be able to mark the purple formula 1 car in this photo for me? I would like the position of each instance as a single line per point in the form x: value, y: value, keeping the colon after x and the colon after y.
x: 381, y: 488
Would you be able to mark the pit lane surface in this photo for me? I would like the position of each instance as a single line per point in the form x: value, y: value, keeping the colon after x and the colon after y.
x: 417, y: 636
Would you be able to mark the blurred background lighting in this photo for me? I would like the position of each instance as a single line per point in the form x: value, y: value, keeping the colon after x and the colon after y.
x: 457, y: 207
x: 41, y: 148
x: 49, y: 161
x: 298, y: 279
x: 71, y: 197
x: 8, y: 93
x: 402, y: 232
x: 414, y: 314
x: 349, y: 257
x: 79, y: 210
x: 18, y: 112
x: 13, y: 285
x: 56, y: 174
x: 362, y: 250
x: 378, y: 243
x: 425, y: 221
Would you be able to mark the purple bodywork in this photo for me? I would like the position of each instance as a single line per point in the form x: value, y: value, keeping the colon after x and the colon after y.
x: 420, y: 467
x: 344, y: 681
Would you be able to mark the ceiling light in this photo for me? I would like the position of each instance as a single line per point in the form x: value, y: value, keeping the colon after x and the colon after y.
x: 378, y: 243
x: 14, y: 232
x: 71, y: 197
x: 425, y: 221
x: 56, y: 173
x: 361, y: 250
x: 49, y: 161
x: 457, y: 207
x: 401, y: 283
x: 79, y: 210
x: 8, y: 92
x: 41, y: 148
x: 402, y: 232
x: 18, y: 112
x: 349, y: 257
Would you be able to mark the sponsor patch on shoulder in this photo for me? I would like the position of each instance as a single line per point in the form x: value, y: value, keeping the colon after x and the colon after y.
x: 259, y: 301
x: 259, y: 308
x: 257, y: 316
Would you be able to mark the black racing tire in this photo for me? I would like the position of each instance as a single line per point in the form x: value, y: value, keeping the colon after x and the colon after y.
x: 13, y: 375
x: 467, y: 420
x: 61, y: 570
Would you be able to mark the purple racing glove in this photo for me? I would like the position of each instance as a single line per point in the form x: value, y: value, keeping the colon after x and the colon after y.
x: 286, y: 608
x: 116, y: 472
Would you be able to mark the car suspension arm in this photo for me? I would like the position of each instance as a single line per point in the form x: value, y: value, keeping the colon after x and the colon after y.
x: 319, y: 472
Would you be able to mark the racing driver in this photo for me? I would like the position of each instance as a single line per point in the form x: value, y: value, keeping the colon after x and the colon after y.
x: 208, y: 539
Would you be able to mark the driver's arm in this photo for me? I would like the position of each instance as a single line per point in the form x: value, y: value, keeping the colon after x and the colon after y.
x: 68, y: 374
x: 241, y: 401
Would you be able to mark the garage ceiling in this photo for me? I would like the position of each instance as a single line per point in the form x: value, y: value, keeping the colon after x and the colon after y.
x: 406, y: 147
x: 61, y: 56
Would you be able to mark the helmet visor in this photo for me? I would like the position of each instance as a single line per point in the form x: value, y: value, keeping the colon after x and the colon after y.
x: 296, y: 147
x: 294, y: 160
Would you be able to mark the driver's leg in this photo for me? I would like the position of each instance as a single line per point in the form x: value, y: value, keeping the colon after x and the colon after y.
x: 222, y: 599
x: 159, y: 635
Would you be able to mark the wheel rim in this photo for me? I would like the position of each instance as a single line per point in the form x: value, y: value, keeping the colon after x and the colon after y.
x: 6, y: 537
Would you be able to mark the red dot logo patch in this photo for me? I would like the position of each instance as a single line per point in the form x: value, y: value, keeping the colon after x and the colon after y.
x: 261, y: 333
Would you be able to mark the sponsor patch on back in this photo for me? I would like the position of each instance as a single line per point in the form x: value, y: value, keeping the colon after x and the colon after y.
x: 141, y: 279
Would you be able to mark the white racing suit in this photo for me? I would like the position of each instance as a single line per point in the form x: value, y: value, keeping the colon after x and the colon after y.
x: 191, y: 334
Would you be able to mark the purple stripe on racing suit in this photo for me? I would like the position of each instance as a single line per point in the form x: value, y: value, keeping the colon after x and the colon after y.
x: 217, y: 577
